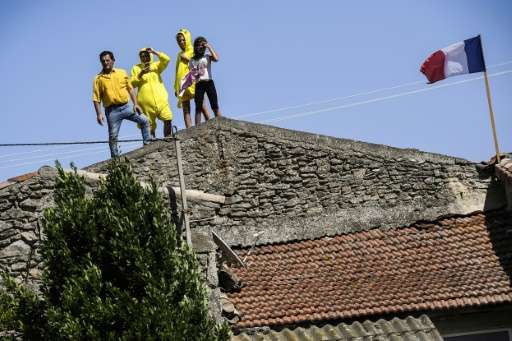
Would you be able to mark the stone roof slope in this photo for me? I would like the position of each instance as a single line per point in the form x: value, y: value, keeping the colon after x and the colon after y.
x: 294, y: 185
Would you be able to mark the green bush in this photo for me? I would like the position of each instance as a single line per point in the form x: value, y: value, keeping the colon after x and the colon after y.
x: 115, y: 269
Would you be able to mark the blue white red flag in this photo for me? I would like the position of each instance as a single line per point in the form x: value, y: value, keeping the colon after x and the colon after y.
x: 457, y: 59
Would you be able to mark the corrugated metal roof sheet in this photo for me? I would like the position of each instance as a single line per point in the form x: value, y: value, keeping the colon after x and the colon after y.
x: 406, y: 329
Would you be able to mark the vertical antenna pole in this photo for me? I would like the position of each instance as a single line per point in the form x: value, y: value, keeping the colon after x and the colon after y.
x: 182, y: 190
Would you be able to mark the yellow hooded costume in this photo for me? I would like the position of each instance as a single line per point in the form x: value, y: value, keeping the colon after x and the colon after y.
x: 152, y: 95
x: 182, y: 68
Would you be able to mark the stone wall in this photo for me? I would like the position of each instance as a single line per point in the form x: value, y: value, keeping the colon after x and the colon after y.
x: 283, y: 185
x: 21, y: 209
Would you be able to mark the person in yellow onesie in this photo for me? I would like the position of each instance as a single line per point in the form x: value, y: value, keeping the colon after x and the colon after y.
x: 152, y: 95
x: 184, y: 40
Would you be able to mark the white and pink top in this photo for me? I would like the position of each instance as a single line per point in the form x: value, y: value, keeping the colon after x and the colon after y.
x: 201, y: 68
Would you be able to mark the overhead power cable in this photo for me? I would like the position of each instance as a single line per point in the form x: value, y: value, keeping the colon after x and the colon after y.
x: 328, y: 100
x: 92, y: 151
x: 44, y: 150
x: 81, y: 152
x: 54, y: 156
x: 73, y: 142
x: 365, y: 93
x: 72, y: 151
x: 380, y: 99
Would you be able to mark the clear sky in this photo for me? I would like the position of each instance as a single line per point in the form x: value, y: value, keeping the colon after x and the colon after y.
x: 273, y: 55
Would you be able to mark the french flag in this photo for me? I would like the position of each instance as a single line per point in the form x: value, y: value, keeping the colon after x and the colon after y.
x: 457, y: 59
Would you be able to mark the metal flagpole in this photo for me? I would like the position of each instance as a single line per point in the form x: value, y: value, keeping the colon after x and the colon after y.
x: 491, y: 113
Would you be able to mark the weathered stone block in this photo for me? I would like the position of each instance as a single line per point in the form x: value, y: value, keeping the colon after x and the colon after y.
x: 29, y: 205
x: 29, y: 237
x: 202, y: 242
x: 233, y: 199
x: 17, y: 249
x: 242, y: 205
x: 19, y: 266
x: 203, y: 259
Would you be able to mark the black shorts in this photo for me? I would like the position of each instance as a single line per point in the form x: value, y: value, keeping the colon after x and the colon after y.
x: 208, y: 87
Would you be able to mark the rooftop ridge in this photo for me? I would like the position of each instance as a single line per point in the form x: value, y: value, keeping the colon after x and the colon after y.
x: 298, y: 136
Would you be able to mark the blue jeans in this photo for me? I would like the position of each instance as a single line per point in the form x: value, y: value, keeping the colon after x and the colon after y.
x: 115, y: 116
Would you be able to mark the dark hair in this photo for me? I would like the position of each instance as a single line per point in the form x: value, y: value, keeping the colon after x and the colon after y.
x: 199, y: 40
x: 104, y: 53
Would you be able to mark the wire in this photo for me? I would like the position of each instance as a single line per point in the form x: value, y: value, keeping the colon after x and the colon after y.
x: 47, y: 160
x: 29, y: 152
x: 74, y: 142
x: 348, y: 97
x: 63, y: 153
x: 328, y: 100
x: 44, y: 150
x: 80, y: 153
x: 380, y: 99
x: 55, y: 156
x: 499, y: 64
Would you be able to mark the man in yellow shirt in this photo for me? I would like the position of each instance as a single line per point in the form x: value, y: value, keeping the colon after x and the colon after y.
x: 112, y: 87
x: 152, y: 95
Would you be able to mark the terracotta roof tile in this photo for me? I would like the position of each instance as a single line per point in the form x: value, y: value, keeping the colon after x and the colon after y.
x: 4, y: 184
x: 23, y: 177
x: 16, y: 179
x: 451, y: 263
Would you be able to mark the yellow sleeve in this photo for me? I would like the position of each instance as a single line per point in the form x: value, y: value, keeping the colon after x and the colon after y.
x: 96, y: 91
x: 177, y: 74
x: 127, y: 81
x: 134, y: 80
x: 163, y: 61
